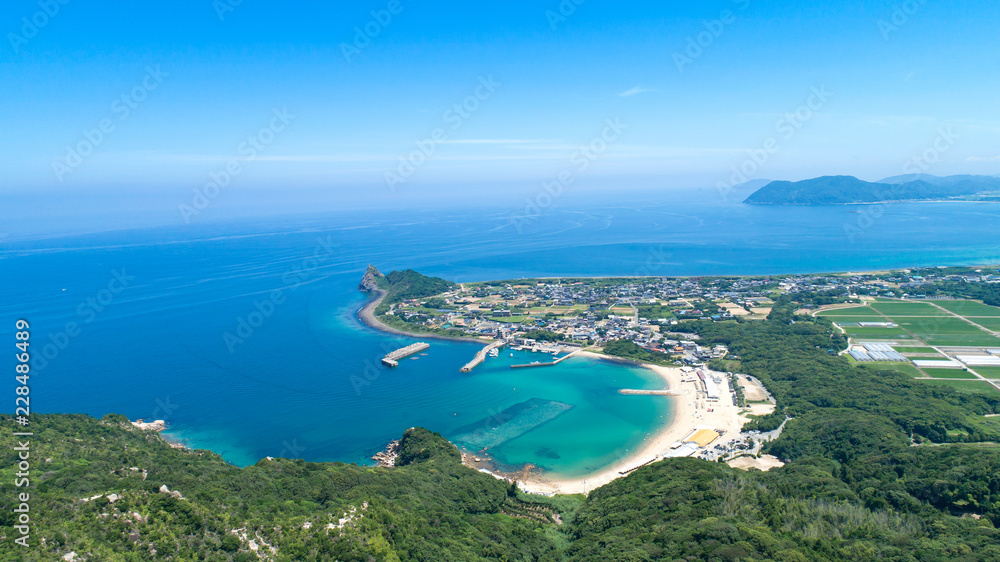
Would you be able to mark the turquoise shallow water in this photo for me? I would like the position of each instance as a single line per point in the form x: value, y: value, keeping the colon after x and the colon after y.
x: 158, y: 349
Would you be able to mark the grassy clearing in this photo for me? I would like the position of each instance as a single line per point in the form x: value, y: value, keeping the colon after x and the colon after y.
x: 949, y: 373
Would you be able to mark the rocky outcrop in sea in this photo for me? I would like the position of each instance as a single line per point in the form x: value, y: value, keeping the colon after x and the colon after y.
x: 371, y: 279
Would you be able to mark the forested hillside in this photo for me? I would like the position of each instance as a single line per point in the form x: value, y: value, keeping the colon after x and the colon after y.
x: 409, y: 284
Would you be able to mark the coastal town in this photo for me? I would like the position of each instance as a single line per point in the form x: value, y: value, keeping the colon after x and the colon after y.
x: 650, y: 312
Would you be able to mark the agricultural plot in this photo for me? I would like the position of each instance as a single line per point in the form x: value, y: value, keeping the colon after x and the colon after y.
x: 972, y: 387
x: 510, y: 319
x: 949, y: 374
x: 854, y: 319
x: 877, y: 333
x: 947, y: 331
x: 969, y: 308
x: 907, y: 350
x: 988, y: 323
x: 923, y: 323
x: 557, y: 310
x: 905, y: 368
x: 893, y: 309
x: 988, y: 372
x: 860, y: 312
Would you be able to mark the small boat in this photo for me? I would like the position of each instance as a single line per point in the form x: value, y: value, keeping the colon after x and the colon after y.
x: 494, y: 353
x: 511, y: 354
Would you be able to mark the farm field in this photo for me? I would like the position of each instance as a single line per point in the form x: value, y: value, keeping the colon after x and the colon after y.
x: 854, y: 319
x: 905, y: 368
x: 988, y: 372
x: 938, y: 326
x: 988, y: 323
x: 969, y: 308
x: 947, y: 331
x: 860, y: 312
x: 510, y: 319
x: 949, y: 374
x: 907, y: 309
x: 977, y: 387
x: 905, y: 350
x: 877, y: 333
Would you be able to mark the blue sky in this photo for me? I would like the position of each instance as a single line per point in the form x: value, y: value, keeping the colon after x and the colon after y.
x: 899, y: 76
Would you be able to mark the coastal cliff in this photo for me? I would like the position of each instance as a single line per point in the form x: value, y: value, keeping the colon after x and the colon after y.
x: 370, y: 281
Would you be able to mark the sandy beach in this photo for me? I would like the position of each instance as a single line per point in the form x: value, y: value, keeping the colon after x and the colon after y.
x: 688, y: 414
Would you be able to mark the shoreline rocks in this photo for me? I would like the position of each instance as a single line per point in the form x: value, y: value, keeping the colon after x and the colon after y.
x: 387, y: 458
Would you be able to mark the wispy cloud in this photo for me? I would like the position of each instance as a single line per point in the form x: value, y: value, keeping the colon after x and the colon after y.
x: 634, y: 91
x: 983, y: 159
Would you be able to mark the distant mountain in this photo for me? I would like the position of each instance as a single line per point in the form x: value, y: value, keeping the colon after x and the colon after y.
x: 842, y: 190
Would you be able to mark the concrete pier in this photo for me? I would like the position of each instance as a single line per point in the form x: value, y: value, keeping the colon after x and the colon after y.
x: 547, y: 363
x: 480, y: 356
x: 392, y: 359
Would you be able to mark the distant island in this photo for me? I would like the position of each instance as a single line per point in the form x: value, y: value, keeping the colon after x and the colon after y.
x: 847, y: 190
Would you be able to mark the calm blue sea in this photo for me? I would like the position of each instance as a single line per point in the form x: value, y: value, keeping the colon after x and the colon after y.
x: 184, y: 323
